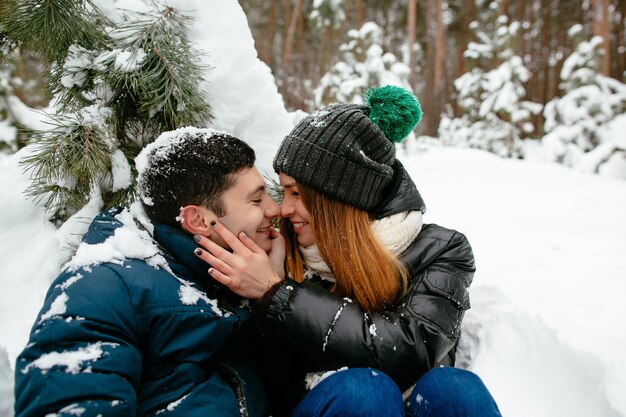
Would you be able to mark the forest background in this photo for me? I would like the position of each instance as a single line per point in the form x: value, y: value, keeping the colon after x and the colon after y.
x: 303, y: 40
x: 497, y: 75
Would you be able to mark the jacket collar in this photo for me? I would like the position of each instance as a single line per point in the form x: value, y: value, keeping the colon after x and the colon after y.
x: 400, y: 195
x: 178, y: 247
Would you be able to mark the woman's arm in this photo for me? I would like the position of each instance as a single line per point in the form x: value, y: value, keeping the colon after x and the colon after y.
x: 404, y: 342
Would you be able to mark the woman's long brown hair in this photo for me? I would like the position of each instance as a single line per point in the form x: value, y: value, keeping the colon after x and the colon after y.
x: 364, y: 270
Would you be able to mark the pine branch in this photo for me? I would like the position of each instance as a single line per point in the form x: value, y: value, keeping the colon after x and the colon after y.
x: 118, y: 96
x: 66, y: 162
x: 162, y: 91
x: 49, y: 27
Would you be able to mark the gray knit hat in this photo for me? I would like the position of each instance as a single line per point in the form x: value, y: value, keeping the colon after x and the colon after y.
x: 345, y: 151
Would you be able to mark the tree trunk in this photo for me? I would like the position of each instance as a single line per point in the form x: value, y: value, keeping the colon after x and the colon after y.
x: 524, y: 18
x: 429, y: 71
x: 466, y: 15
x: 601, y: 27
x: 291, y: 32
x: 268, y: 48
x: 618, y: 67
x: 410, y: 40
x: 440, y: 64
x: 505, y: 9
x: 358, y: 14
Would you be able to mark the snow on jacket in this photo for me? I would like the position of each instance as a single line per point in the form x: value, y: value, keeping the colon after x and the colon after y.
x: 135, y: 327
x: 304, y: 328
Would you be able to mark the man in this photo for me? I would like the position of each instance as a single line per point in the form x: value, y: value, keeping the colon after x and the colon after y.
x: 134, y: 325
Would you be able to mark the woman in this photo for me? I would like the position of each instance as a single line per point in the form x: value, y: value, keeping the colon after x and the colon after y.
x: 368, y: 285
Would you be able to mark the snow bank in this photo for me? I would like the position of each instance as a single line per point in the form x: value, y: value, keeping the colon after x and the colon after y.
x: 549, y: 242
x: 6, y: 384
x: 242, y: 88
x: 31, y: 256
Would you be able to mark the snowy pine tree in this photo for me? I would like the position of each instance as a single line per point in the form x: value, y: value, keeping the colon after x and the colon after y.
x: 8, y: 131
x: 115, y: 86
x: 20, y: 81
x: 363, y: 65
x: 582, y: 126
x: 495, y: 115
x: 327, y: 13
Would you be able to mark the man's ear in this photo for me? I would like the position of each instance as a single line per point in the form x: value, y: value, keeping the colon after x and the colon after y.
x: 196, y: 220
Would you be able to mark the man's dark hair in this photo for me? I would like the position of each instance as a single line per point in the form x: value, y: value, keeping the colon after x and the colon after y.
x: 195, y: 167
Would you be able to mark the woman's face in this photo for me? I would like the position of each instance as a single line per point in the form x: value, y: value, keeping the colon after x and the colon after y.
x: 293, y: 209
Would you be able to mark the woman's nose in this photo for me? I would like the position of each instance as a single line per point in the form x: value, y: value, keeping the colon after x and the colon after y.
x: 286, y: 208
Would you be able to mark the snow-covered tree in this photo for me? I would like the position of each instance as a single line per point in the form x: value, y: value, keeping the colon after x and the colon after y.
x: 363, y: 64
x: 491, y: 95
x: 327, y: 13
x: 20, y: 79
x: 115, y: 86
x: 8, y: 130
x: 585, y: 126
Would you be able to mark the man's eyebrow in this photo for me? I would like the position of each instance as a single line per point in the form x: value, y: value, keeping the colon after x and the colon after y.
x: 255, y: 191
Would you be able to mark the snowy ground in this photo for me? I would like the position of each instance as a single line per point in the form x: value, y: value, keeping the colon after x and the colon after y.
x: 546, y: 328
x: 547, y: 298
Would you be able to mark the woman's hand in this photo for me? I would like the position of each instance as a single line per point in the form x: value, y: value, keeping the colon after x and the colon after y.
x: 277, y: 253
x: 247, y: 271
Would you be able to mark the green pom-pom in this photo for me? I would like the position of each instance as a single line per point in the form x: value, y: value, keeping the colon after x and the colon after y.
x: 395, y: 110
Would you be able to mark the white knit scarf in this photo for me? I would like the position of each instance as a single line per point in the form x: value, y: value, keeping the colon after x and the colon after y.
x: 396, y: 233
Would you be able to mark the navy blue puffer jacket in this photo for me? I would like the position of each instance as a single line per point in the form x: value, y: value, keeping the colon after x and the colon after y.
x: 134, y: 326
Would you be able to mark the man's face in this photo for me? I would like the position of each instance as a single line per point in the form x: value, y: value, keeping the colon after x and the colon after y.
x: 249, y: 209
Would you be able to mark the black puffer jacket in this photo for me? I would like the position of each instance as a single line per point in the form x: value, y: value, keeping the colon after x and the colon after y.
x: 304, y: 328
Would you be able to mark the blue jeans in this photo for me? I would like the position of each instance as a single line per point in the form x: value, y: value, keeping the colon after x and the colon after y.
x: 364, y: 392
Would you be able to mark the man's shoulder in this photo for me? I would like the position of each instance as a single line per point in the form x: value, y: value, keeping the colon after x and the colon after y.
x: 132, y: 282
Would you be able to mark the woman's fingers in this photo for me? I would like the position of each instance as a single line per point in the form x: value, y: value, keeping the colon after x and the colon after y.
x: 249, y: 243
x: 277, y: 253
x: 222, y: 279
x: 230, y: 239
x: 247, y: 271
x: 219, y: 270
x: 214, y: 249
x: 214, y: 261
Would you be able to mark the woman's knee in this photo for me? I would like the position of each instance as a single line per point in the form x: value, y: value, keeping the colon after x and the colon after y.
x: 359, y: 385
x: 457, y: 391
x: 450, y: 379
x: 354, y: 392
